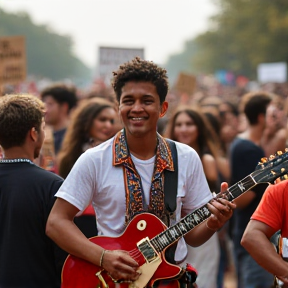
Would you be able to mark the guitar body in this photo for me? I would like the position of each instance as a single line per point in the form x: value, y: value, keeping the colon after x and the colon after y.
x: 78, y: 273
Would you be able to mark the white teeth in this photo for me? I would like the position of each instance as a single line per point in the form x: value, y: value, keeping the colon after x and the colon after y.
x: 137, y: 119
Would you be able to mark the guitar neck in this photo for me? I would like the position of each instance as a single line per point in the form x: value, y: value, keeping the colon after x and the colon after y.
x: 186, y: 224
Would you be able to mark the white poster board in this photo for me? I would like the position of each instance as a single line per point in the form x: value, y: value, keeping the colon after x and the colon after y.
x: 272, y: 72
x: 111, y: 57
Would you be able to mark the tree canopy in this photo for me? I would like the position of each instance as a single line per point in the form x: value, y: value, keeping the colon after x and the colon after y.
x: 48, y: 54
x: 243, y: 34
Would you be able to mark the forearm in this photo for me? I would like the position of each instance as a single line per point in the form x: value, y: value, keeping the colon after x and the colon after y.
x: 199, y: 235
x: 68, y: 236
x: 263, y: 252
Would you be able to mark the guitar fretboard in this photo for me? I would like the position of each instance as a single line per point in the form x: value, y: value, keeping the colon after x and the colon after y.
x: 186, y: 224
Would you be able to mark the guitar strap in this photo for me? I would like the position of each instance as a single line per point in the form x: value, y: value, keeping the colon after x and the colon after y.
x: 170, y: 194
x: 171, y: 181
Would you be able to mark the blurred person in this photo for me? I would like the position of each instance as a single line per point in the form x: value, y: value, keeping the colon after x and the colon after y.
x: 229, y: 123
x: 275, y: 134
x: 270, y: 217
x: 189, y: 126
x: 222, y: 161
x: 124, y: 177
x: 59, y: 100
x: 245, y: 154
x: 91, y: 124
x: 28, y: 258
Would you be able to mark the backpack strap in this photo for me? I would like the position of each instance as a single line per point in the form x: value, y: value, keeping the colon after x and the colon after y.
x: 171, y: 180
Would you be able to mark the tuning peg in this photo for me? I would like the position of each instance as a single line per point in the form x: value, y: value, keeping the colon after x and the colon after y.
x: 264, y: 160
x: 279, y: 153
x: 282, y: 170
x: 285, y: 177
x: 271, y: 157
x: 286, y: 149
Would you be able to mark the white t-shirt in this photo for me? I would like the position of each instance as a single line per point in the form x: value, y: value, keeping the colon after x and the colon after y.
x: 94, y: 178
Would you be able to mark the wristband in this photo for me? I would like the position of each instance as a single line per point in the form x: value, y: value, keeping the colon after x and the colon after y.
x: 101, y: 258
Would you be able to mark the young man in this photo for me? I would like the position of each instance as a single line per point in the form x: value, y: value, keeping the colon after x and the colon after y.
x: 116, y: 177
x: 245, y: 154
x: 28, y: 258
x: 270, y: 216
x: 59, y: 99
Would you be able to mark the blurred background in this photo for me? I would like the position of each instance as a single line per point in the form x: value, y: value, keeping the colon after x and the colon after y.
x: 237, y: 43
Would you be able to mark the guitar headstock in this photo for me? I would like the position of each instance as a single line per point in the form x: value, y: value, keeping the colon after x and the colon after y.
x: 269, y: 169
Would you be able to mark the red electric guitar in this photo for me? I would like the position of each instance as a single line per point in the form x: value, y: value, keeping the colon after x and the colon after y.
x: 146, y: 237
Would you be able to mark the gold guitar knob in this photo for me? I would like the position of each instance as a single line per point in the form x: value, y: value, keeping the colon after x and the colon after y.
x: 264, y: 159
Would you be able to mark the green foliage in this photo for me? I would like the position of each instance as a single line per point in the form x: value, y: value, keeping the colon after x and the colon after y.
x: 48, y: 54
x: 243, y: 34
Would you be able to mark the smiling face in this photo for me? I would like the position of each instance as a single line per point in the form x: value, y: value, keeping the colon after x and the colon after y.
x: 102, y: 127
x: 185, y: 129
x: 140, y: 108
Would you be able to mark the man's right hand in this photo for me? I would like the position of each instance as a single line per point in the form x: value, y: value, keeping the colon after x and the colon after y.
x: 120, y: 265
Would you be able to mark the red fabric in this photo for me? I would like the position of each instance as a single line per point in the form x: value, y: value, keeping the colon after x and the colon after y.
x: 89, y: 210
x: 273, y: 208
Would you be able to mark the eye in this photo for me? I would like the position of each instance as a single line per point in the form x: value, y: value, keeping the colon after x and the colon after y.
x: 127, y: 101
x: 148, y: 101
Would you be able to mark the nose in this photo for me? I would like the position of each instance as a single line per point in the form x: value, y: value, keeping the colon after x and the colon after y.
x: 108, y: 124
x: 182, y: 128
x: 137, y: 106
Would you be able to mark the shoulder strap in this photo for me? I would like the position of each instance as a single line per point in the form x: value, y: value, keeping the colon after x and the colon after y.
x: 171, y: 180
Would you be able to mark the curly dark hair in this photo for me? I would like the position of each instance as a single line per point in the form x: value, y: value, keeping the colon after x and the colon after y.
x: 18, y: 114
x: 140, y: 70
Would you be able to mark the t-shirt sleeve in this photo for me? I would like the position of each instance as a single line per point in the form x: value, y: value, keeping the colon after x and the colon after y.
x: 78, y: 187
x: 270, y: 209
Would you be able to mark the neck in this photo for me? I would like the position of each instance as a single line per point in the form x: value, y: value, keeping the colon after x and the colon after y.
x: 18, y: 153
x: 253, y: 133
x: 62, y: 124
x: 142, y: 148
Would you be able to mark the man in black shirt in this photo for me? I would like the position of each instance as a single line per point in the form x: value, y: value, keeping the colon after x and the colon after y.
x: 28, y: 258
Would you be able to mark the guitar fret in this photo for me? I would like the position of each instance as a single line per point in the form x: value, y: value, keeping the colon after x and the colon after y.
x: 240, y: 187
x: 195, y: 218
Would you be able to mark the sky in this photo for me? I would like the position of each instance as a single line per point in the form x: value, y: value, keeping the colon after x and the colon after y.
x: 161, y: 27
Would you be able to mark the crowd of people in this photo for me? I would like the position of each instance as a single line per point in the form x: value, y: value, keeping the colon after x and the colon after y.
x: 102, y: 163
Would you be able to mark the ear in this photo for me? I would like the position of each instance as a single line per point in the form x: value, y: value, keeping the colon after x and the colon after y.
x: 65, y: 107
x: 33, y: 134
x: 164, y: 108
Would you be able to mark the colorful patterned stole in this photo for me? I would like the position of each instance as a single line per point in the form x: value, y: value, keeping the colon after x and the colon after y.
x: 135, y: 203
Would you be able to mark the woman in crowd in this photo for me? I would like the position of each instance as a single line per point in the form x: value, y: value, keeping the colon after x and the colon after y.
x: 91, y: 124
x: 190, y: 126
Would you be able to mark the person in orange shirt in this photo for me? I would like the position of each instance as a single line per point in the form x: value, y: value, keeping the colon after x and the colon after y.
x: 270, y: 216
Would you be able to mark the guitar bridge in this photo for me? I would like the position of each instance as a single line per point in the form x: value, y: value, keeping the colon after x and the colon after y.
x: 147, y: 250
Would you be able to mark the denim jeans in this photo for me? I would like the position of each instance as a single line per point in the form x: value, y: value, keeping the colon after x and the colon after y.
x: 250, y: 274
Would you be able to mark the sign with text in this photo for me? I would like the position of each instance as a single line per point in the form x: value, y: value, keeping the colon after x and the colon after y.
x: 185, y: 83
x: 12, y: 60
x: 110, y: 58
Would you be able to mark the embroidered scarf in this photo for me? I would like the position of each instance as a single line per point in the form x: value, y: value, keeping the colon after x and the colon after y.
x: 133, y: 186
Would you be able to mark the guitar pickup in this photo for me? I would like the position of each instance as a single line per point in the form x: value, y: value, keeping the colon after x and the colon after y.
x: 147, y: 250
